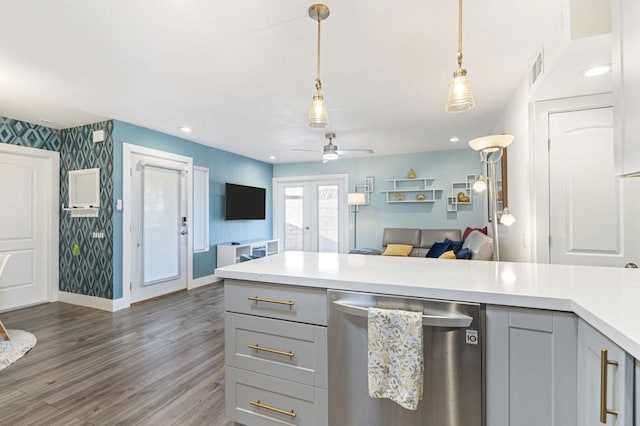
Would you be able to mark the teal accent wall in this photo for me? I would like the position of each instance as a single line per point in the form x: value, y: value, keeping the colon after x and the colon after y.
x: 445, y: 166
x: 90, y: 273
x: 223, y: 167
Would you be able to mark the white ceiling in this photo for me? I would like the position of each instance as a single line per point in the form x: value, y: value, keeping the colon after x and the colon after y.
x: 240, y: 73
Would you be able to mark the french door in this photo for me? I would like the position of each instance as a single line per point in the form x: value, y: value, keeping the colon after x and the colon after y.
x: 311, y: 213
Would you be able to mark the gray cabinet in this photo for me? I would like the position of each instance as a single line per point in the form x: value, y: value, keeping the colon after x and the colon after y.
x: 275, y: 354
x: 530, y: 367
x: 599, y: 379
x: 626, y: 82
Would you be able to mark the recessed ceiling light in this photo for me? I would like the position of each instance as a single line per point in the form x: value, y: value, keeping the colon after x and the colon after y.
x: 597, y: 70
x: 272, y: 157
x: 185, y: 129
x: 454, y: 139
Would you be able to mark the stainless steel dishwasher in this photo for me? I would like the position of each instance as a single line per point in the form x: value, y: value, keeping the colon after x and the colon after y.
x: 453, y: 363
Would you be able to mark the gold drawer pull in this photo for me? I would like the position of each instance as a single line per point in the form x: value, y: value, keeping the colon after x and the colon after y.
x: 277, y: 410
x: 604, y: 363
x: 273, y: 351
x: 262, y: 299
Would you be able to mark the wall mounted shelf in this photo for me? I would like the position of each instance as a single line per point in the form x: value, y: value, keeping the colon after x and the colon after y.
x: 453, y: 201
x: 417, y: 190
x: 83, y: 211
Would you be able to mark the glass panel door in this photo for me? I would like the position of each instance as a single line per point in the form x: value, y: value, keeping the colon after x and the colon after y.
x: 161, y: 224
x: 328, y: 218
x: 294, y: 218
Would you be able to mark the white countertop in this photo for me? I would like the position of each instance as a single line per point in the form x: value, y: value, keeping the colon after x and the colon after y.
x: 607, y: 298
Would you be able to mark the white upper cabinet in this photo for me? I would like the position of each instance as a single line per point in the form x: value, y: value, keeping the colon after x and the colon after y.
x: 626, y: 83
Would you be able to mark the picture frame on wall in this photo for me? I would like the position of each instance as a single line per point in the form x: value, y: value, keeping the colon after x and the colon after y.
x: 501, y: 187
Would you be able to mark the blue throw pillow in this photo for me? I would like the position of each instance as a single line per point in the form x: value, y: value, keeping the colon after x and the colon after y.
x: 464, y: 253
x: 437, y: 249
x: 456, y: 246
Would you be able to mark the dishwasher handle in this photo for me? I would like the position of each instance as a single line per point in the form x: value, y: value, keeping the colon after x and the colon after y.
x: 453, y: 320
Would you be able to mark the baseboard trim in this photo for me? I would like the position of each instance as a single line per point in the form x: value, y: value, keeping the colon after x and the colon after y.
x: 202, y: 281
x: 94, y: 302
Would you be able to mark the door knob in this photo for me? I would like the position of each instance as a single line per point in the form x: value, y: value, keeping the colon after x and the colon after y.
x: 631, y: 265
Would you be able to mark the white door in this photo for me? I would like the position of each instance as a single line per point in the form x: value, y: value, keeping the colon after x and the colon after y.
x: 159, y: 227
x: 593, y: 214
x: 311, y: 214
x: 29, y: 187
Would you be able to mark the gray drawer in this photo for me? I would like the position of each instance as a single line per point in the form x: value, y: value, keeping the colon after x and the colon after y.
x: 241, y: 387
x: 307, y: 343
x: 308, y: 305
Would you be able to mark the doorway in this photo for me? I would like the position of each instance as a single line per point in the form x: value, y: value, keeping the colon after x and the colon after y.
x: 591, y: 209
x: 157, y: 246
x: 311, y: 213
x: 29, y: 225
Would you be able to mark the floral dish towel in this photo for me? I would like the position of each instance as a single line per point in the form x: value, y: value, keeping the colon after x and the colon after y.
x: 395, y: 358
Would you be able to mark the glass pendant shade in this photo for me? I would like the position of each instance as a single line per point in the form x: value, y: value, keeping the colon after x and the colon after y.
x: 507, y: 218
x: 480, y: 185
x: 460, y: 95
x: 318, y: 112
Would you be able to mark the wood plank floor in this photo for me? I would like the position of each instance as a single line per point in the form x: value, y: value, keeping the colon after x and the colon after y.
x: 158, y: 363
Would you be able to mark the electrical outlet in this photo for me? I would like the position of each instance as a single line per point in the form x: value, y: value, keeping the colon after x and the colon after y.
x: 99, y: 235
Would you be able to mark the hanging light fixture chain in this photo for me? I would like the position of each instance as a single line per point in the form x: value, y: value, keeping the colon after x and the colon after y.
x: 459, y: 33
x: 318, y: 83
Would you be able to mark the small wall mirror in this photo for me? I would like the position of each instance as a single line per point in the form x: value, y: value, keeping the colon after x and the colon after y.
x: 84, y: 188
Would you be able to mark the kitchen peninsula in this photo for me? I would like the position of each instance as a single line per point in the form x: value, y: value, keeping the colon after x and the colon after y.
x: 561, y: 308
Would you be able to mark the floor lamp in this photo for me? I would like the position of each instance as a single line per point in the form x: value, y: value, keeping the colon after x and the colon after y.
x: 491, y: 149
x: 356, y: 199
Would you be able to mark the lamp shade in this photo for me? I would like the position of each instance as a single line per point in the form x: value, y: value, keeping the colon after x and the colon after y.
x: 507, y: 218
x: 356, y: 198
x: 491, y: 143
x: 480, y: 185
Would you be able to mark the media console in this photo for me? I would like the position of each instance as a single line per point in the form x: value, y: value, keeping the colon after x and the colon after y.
x: 228, y: 254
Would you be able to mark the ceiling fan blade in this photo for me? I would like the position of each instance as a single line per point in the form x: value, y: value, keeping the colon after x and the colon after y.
x: 305, y: 150
x: 353, y: 151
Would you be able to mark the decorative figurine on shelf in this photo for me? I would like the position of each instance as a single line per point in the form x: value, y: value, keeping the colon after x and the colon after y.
x: 399, y: 196
x: 463, y: 198
x: 412, y: 174
x: 420, y: 197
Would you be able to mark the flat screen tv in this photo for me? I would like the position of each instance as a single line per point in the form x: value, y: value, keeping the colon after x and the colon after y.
x: 244, y: 202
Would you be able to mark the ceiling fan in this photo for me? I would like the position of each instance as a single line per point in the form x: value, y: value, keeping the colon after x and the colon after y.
x: 331, y: 151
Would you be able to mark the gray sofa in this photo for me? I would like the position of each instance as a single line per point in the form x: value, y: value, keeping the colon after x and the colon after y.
x: 420, y: 239
x: 480, y: 245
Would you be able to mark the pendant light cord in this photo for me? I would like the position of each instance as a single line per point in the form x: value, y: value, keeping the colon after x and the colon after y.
x: 318, y: 83
x: 459, y: 33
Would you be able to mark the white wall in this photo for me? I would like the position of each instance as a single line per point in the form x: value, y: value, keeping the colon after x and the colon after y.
x: 516, y: 242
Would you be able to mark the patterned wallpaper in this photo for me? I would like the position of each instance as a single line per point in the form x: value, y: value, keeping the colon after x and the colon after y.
x: 16, y: 132
x: 91, y: 272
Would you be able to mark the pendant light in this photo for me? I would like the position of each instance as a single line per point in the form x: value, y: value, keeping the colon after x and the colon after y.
x: 318, y: 111
x: 460, y: 96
